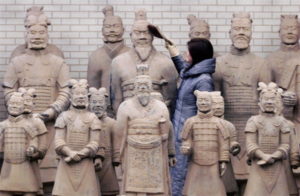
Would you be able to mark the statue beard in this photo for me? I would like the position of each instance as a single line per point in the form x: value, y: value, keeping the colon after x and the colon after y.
x: 144, y: 98
x: 143, y: 51
x: 241, y: 42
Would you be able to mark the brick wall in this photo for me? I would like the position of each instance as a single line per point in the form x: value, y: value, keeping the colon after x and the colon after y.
x: 76, y: 24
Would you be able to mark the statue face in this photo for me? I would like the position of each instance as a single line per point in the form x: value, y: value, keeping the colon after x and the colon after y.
x: 79, y: 97
x: 289, y: 32
x: 143, y: 89
x: 112, y: 29
x: 218, y: 107
x: 140, y: 35
x: 240, y: 33
x: 200, y: 32
x: 28, y: 104
x: 204, y: 103
x: 37, y: 37
x: 15, y: 106
x: 268, y: 102
x: 98, y: 105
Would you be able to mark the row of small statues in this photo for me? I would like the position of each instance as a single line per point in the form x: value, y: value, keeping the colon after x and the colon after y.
x: 144, y: 144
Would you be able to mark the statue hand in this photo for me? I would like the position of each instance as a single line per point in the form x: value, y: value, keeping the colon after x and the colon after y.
x: 30, y: 151
x: 223, y: 168
x: 47, y: 115
x: 98, y: 164
x: 184, y: 149
x: 289, y: 98
x: 172, y: 161
x: 235, y: 149
x: 73, y: 156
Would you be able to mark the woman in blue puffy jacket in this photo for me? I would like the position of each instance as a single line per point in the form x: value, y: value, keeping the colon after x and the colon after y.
x: 195, y: 74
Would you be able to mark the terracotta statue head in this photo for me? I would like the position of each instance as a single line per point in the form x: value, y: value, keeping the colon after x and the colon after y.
x: 112, y: 28
x: 140, y: 36
x: 98, y: 101
x: 241, y: 30
x: 289, y: 29
x: 198, y: 28
x: 204, y: 101
x: 268, y: 97
x: 79, y: 93
x: 36, y: 24
x: 143, y: 88
x: 217, y: 104
x: 28, y: 96
x: 15, y: 104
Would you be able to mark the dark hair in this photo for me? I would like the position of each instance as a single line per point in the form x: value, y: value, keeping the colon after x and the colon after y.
x: 200, y: 49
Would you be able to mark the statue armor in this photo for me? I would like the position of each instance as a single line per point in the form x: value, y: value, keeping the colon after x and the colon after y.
x: 78, y: 129
x: 16, y: 135
x: 240, y: 96
x: 23, y: 73
x: 268, y: 134
x: 144, y: 138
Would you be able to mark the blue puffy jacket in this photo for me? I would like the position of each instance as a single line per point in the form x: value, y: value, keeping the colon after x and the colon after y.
x: 198, y: 77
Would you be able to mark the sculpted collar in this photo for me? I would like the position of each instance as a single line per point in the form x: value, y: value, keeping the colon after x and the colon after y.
x: 15, y: 119
x: 285, y: 47
x: 72, y: 108
x: 112, y: 49
x: 235, y: 51
x: 36, y: 52
x: 205, y: 115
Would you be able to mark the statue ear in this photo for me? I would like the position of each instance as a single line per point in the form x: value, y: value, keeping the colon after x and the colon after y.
x: 261, y: 86
x: 72, y: 82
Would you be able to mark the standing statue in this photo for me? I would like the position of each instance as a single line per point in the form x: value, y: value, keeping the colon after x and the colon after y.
x: 285, y: 68
x: 267, y: 139
x: 76, y: 143
x: 237, y: 76
x: 143, y: 124
x: 161, y: 69
x: 234, y: 147
x: 39, y: 126
x: 107, y: 175
x: 48, y: 75
x: 19, y: 143
x: 199, y: 28
x: 207, y: 141
x: 49, y: 48
x: 99, y: 67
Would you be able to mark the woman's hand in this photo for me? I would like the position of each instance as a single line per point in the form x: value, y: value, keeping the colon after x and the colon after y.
x: 172, y: 49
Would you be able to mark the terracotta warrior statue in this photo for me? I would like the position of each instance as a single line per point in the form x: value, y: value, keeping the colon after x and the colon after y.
x: 204, y: 137
x: 267, y: 139
x: 76, y: 143
x: 48, y: 75
x: 237, y: 76
x: 234, y: 147
x: 39, y: 126
x: 161, y: 69
x: 107, y: 175
x: 99, y: 67
x: 143, y: 124
x: 19, y: 144
x: 49, y: 48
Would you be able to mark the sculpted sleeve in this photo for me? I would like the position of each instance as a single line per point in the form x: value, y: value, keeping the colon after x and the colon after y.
x: 93, y: 145
x: 251, y: 137
x: 170, y: 75
x: 60, y: 134
x: 62, y: 101
x: 10, y: 81
x: 115, y: 142
x: 284, y: 146
x: 223, y: 145
x: 171, y: 142
x: 121, y: 127
x: 186, y: 134
x: 115, y: 91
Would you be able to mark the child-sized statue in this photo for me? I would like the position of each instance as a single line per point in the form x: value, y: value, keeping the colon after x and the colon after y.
x: 38, y: 126
x: 107, y: 174
x: 77, y: 142
x: 207, y: 141
x: 18, y: 142
x: 267, y: 140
